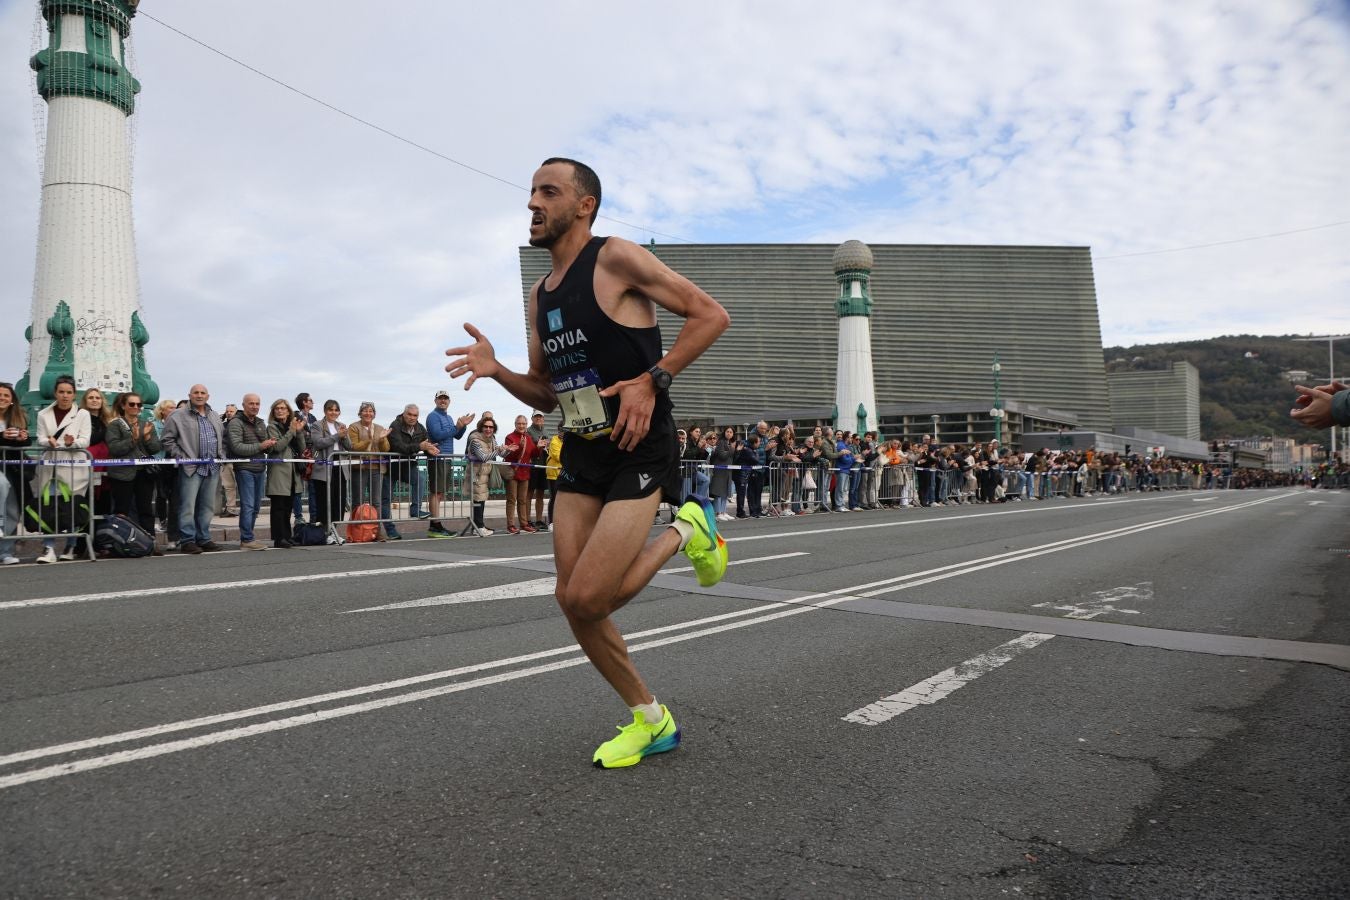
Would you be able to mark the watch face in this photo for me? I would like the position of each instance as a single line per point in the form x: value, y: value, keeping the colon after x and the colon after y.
x: 661, y: 378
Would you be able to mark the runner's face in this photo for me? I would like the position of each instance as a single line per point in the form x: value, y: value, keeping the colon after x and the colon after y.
x: 553, y: 205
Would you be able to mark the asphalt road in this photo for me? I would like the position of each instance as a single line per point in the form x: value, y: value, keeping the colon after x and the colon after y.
x: 1137, y: 697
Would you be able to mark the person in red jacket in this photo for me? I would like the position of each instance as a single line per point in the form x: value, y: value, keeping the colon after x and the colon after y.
x: 519, y: 451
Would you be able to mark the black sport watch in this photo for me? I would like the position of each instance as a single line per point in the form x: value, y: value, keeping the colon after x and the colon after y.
x: 660, y: 377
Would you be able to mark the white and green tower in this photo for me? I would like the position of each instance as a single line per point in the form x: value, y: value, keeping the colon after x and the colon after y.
x: 86, y: 291
x: 855, y: 396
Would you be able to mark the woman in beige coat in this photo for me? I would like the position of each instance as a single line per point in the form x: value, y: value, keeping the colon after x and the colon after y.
x: 483, y: 449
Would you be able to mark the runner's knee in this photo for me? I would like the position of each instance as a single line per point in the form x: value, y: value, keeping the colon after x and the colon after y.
x: 582, y: 604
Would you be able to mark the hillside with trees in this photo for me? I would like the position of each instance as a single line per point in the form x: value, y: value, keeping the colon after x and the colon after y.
x: 1243, y: 388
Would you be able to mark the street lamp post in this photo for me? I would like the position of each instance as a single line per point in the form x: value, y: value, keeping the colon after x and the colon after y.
x: 935, y: 418
x: 1331, y: 340
x: 997, y: 411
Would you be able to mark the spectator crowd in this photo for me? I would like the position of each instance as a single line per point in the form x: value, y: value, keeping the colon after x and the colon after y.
x: 318, y: 471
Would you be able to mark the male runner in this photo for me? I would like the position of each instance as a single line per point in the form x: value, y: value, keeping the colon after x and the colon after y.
x: 595, y: 350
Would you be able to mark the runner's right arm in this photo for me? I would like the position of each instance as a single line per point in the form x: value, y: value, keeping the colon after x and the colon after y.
x: 479, y: 360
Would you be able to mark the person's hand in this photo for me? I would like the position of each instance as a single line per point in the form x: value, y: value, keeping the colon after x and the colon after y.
x: 69, y: 439
x: 1334, y: 387
x: 477, y: 360
x: 464, y: 419
x: 1313, y: 406
x: 342, y: 429
x: 269, y: 443
x: 637, y: 399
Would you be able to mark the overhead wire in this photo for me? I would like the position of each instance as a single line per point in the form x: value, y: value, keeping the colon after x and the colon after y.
x: 380, y: 128
x: 486, y: 174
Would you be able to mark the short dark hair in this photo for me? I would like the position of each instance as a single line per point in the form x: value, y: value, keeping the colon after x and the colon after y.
x: 584, y: 179
x: 301, y: 397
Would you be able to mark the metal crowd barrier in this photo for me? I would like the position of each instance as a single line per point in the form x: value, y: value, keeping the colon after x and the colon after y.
x: 898, y: 484
x: 399, y: 487
x: 56, y: 498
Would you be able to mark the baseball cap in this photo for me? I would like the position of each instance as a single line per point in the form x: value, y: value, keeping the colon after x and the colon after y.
x: 536, y: 415
x: 442, y: 393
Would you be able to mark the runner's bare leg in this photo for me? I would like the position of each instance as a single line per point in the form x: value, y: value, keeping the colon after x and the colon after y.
x: 603, y: 560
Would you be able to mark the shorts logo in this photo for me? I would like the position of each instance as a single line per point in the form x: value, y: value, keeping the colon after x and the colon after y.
x: 555, y: 322
x: 643, y: 481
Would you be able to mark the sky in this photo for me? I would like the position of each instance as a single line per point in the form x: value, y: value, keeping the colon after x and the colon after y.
x: 284, y: 245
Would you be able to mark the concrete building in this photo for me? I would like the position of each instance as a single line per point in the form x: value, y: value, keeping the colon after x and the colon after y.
x: 1166, y: 400
x: 939, y: 315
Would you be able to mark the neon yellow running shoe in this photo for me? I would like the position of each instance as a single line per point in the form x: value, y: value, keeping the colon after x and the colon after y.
x: 638, y: 740
x: 706, y: 549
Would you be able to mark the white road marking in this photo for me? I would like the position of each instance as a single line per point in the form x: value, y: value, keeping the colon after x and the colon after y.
x: 257, y: 582
x: 931, y: 690
x: 536, y: 587
x: 933, y: 520
x: 798, y: 606
x: 1316, y: 502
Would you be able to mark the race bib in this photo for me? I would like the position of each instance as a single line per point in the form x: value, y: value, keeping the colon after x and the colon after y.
x: 583, y: 408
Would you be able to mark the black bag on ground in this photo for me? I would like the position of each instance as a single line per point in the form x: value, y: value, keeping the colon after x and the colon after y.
x: 119, y: 536
x: 58, y: 511
x: 310, y: 535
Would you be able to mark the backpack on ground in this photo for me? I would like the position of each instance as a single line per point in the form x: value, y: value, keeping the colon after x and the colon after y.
x: 363, y: 533
x: 119, y: 536
x: 310, y: 535
x: 59, y: 512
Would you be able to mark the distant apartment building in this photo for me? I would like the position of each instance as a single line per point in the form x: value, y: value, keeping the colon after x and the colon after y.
x: 1165, y: 400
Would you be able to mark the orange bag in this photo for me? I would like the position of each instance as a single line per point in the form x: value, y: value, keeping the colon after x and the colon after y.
x: 363, y: 534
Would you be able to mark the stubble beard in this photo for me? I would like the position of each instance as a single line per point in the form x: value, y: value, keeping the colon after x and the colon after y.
x: 554, y: 229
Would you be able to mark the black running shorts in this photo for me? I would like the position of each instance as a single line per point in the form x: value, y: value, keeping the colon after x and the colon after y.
x: 599, y: 468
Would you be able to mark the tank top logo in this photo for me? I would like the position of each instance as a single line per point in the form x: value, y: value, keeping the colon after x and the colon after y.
x: 565, y: 341
x: 555, y: 320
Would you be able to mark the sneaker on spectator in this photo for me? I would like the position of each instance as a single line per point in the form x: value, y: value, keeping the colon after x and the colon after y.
x: 228, y: 513
x: 68, y: 556
x: 438, y: 531
x: 9, y: 561
x: 528, y: 528
x: 480, y: 531
x: 250, y: 545
x: 422, y: 515
x: 511, y: 529
x: 48, y: 556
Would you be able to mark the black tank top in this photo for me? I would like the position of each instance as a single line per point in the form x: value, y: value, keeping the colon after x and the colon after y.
x: 587, y: 351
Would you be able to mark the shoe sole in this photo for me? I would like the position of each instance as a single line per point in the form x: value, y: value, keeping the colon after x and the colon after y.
x: 664, y: 745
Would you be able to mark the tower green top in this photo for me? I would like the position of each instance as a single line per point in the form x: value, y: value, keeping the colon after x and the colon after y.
x: 853, y: 271
x: 92, y: 64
